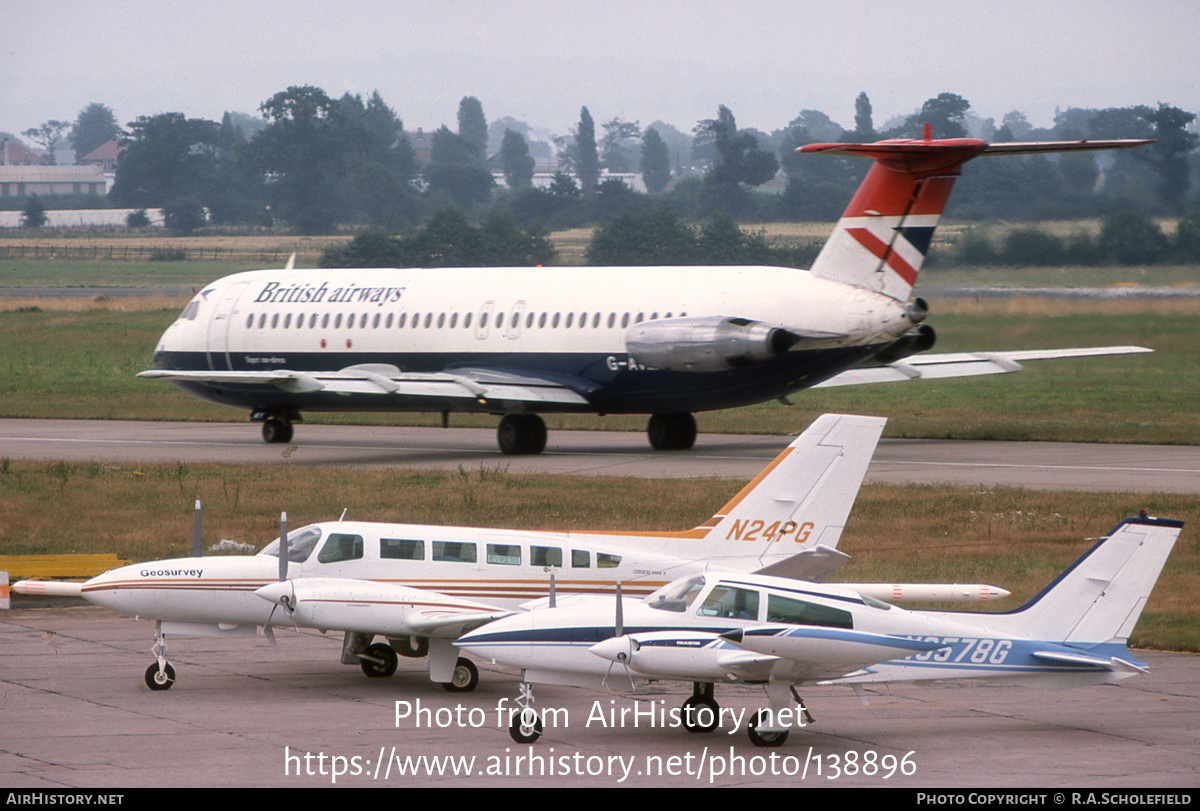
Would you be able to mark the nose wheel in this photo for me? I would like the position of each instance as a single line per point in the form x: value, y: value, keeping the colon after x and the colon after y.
x: 160, y: 675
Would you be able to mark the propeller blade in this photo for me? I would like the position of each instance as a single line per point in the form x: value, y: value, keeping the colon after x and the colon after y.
x: 620, y: 625
x: 283, y: 546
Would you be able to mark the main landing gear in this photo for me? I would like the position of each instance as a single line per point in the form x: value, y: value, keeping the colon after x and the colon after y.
x: 700, y: 714
x: 380, y: 660
x: 671, y: 432
x: 525, y: 434
x: 276, y: 425
x: 521, y: 434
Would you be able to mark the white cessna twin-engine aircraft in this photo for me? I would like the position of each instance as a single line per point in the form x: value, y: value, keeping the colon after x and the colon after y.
x: 421, y: 587
x: 724, y: 627
x: 665, y: 341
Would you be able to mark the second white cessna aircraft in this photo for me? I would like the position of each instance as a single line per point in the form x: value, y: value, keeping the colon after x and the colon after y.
x: 423, y: 586
x: 664, y: 341
x: 781, y: 633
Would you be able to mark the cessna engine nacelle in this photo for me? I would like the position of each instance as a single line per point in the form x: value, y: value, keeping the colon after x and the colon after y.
x: 713, y: 344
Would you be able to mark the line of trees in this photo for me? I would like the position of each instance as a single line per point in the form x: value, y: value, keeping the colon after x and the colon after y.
x: 1127, y: 237
x: 315, y: 163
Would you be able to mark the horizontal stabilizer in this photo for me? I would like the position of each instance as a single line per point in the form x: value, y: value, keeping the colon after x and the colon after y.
x: 1094, y: 661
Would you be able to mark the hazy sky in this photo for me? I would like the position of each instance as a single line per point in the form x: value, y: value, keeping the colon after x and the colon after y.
x: 639, y: 60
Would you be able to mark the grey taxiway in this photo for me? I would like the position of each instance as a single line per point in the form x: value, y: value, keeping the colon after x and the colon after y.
x: 1050, y: 465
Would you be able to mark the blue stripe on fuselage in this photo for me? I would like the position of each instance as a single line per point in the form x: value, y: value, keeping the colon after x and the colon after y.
x: 613, y: 390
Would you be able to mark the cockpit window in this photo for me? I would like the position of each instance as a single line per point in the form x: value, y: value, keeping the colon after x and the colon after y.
x: 731, y: 602
x: 301, y: 543
x: 341, y: 546
x: 189, y: 312
x: 677, y: 596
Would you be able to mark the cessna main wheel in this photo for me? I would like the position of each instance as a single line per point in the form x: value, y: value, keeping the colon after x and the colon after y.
x: 379, y: 660
x: 465, y: 678
x: 764, y: 738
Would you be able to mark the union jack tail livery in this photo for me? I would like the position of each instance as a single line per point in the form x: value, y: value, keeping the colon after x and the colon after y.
x: 884, y: 235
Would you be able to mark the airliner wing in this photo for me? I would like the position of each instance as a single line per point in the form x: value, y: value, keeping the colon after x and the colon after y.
x: 477, y: 383
x: 966, y: 364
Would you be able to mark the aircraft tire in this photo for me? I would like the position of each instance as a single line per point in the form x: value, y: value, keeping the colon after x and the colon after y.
x: 160, y: 679
x: 521, y: 434
x: 515, y: 732
x: 696, y: 721
x: 671, y: 432
x: 379, y: 661
x: 276, y: 431
x: 764, y: 738
x: 465, y: 678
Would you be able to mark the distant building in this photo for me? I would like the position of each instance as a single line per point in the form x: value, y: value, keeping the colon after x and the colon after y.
x: 14, y: 154
x: 422, y: 144
x: 22, y: 181
x: 105, y: 156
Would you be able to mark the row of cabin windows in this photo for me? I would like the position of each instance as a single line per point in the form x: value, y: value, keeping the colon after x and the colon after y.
x: 342, y: 547
x: 740, y: 603
x: 441, y: 320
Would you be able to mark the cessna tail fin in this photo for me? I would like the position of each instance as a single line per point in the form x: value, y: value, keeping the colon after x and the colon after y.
x: 1100, y: 598
x: 882, y: 238
x: 803, y: 498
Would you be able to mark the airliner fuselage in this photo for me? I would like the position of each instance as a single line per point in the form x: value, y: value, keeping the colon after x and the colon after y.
x: 562, y: 335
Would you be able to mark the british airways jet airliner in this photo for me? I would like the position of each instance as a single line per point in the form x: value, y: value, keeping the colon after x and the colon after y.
x: 663, y: 341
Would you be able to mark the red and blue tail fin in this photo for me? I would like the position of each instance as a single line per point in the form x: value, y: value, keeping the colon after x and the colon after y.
x: 884, y: 235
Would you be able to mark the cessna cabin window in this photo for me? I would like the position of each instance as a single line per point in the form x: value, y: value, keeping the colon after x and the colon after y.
x: 454, y: 552
x: 545, y: 556
x: 397, y: 549
x: 731, y: 602
x: 605, y: 561
x: 341, y: 546
x: 677, y: 596
x: 504, y: 554
x: 581, y: 559
x: 301, y: 543
x: 801, y: 612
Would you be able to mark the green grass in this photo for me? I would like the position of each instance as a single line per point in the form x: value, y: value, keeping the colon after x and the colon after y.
x: 89, y: 273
